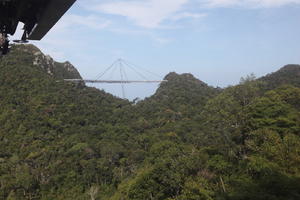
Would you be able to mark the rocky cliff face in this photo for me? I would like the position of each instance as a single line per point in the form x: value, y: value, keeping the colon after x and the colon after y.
x: 58, y: 70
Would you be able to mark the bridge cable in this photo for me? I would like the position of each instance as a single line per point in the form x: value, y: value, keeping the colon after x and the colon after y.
x: 141, y: 68
x: 124, y: 73
x: 112, y: 73
x: 141, y: 75
x: 106, y: 70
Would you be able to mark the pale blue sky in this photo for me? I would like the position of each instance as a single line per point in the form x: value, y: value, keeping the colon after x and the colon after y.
x: 218, y: 41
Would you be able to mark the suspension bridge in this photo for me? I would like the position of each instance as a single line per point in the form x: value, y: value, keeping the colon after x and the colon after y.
x: 120, y: 68
x: 113, y: 81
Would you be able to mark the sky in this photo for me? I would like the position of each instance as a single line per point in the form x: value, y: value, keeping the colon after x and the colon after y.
x: 218, y: 41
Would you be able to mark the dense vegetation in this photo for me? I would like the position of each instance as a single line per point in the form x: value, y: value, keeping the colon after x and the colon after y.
x: 189, y: 141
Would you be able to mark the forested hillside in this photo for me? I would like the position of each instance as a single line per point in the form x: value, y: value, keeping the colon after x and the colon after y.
x: 189, y: 141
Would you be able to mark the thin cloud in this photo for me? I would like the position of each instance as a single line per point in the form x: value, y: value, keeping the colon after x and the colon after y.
x: 185, y: 15
x: 247, y: 3
x: 148, y: 14
x: 275, y: 3
x: 144, y: 33
x: 68, y: 34
x: 90, y: 21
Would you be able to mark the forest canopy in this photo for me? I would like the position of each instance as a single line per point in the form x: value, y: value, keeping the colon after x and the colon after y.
x: 189, y: 141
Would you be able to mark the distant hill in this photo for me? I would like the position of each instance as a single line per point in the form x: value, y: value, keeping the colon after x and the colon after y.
x: 181, y: 96
x: 184, y: 88
x: 289, y: 74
